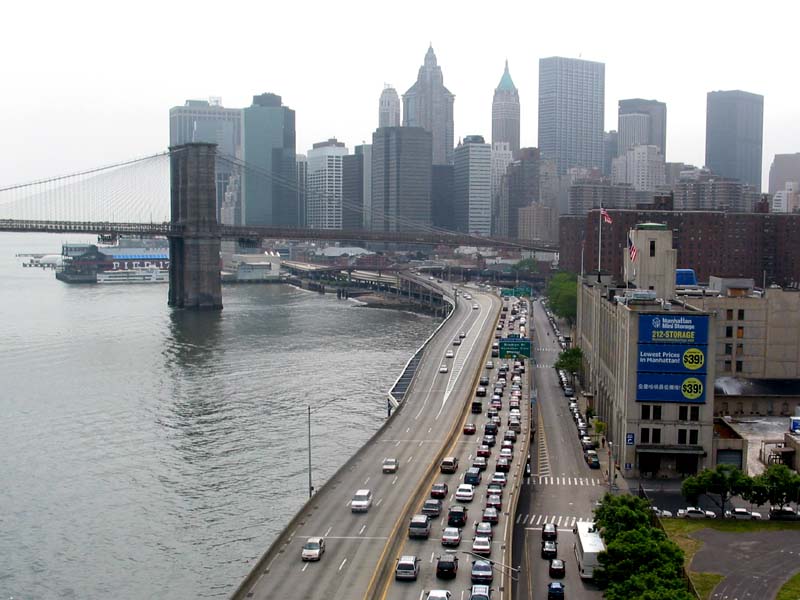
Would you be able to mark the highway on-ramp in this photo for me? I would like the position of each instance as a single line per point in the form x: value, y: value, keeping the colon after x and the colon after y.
x: 357, y: 543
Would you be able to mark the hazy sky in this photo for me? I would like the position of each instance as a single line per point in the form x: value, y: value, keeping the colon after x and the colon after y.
x: 91, y: 83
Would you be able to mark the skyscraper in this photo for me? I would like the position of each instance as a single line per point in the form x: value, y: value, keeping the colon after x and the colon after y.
x: 784, y: 168
x: 269, y: 189
x: 571, y: 105
x: 357, y: 188
x: 428, y: 104
x: 505, y: 113
x: 389, y: 108
x: 401, y: 179
x: 641, y: 166
x: 610, y: 150
x: 656, y: 124
x: 522, y: 186
x: 209, y: 121
x: 472, y: 184
x: 301, y: 166
x: 442, y: 197
x: 734, y: 132
x: 634, y: 130
x: 324, y: 187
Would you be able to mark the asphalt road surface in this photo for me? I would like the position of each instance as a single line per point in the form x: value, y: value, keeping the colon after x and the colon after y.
x: 416, y: 433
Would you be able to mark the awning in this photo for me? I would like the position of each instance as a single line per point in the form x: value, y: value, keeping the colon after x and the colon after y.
x: 667, y: 449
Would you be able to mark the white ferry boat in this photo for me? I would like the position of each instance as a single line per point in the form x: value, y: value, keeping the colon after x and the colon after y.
x: 134, y: 276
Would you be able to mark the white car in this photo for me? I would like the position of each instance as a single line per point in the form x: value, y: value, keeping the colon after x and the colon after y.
x: 313, y: 549
x: 448, y: 354
x: 482, y: 545
x: 507, y: 453
x: 664, y: 514
x: 451, y: 536
x: 439, y: 595
x: 361, y: 501
x: 692, y: 512
x: 465, y: 492
x: 443, y: 369
x: 742, y: 514
x: 475, y: 307
x: 500, y: 478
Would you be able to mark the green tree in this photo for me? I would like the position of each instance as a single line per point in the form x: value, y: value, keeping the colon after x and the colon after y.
x: 719, y: 484
x: 780, y: 483
x: 621, y: 513
x: 562, y: 293
x: 570, y: 360
x: 526, y: 266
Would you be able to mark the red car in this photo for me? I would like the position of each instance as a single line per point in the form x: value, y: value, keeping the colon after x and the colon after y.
x: 439, y: 490
x: 469, y: 429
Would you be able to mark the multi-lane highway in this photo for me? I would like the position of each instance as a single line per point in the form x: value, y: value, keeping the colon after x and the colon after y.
x: 359, y: 546
x: 562, y: 489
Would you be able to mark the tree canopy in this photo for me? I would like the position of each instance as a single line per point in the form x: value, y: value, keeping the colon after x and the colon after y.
x: 719, y: 484
x: 570, y: 360
x: 562, y: 294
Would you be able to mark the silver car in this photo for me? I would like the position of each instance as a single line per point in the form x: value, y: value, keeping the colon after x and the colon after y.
x: 407, y: 568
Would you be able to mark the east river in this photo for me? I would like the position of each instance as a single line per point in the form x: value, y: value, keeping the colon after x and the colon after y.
x: 153, y: 453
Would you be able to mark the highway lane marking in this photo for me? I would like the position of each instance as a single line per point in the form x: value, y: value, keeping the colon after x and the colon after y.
x: 408, y: 429
x: 432, y: 555
x: 366, y: 481
x: 342, y: 565
x: 421, y: 593
x: 397, y: 444
x: 410, y: 458
x: 378, y: 503
x: 356, y: 537
x: 305, y: 566
x: 363, y: 527
x: 420, y: 443
x: 327, y: 533
x: 429, y: 429
x: 394, y: 480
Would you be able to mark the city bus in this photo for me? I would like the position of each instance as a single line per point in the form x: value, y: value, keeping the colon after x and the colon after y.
x: 588, y: 545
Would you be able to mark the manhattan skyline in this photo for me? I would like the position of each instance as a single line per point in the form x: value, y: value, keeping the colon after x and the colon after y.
x: 82, y: 107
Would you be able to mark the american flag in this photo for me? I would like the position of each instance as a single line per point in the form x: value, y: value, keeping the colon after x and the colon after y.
x: 632, y: 249
x: 606, y: 216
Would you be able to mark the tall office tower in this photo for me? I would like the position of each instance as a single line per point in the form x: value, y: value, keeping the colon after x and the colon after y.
x: 209, y: 121
x: 301, y: 169
x: 610, y: 150
x: 505, y: 113
x: 501, y: 158
x: 536, y: 222
x: 389, y: 108
x: 786, y: 200
x: 734, y: 133
x: 550, y: 183
x: 784, y: 168
x: 324, y: 188
x: 657, y: 124
x: 428, y: 104
x: 634, y: 130
x: 401, y: 179
x: 522, y: 180
x: 472, y: 184
x: 640, y: 166
x: 365, y: 150
x: 353, y: 191
x: 269, y: 190
x: 442, y: 197
x: 571, y: 105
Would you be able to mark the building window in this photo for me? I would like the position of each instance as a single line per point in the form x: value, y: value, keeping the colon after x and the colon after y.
x: 644, y: 436
x: 729, y: 331
x: 741, y: 314
x: 656, y: 435
x: 683, y: 413
x: 645, y: 412
x: 652, y: 247
x: 738, y: 366
x: 728, y: 349
x: 656, y: 413
x: 693, y: 436
x: 727, y: 367
x: 729, y: 314
x: 681, y: 436
x: 740, y: 332
x: 695, y: 413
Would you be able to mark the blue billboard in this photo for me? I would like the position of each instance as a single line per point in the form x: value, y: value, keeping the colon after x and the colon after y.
x: 671, y: 387
x: 671, y: 358
x: 673, y: 329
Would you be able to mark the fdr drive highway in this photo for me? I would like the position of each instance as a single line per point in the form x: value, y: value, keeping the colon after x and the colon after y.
x: 361, y: 548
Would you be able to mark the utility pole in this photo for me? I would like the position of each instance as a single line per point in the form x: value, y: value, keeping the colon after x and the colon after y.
x: 310, y: 487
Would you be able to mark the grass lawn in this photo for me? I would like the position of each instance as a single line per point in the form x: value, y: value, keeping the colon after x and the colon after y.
x: 680, y: 530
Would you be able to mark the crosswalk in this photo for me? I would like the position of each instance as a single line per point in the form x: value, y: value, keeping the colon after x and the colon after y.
x: 532, y: 521
x: 579, y: 481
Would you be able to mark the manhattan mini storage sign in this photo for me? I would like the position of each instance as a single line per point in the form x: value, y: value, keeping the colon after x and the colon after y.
x: 672, y: 358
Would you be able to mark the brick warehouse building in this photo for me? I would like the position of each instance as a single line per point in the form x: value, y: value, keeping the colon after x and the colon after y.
x: 755, y: 245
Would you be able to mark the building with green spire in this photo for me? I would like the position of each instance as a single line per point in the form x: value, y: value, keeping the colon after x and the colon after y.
x: 505, y: 113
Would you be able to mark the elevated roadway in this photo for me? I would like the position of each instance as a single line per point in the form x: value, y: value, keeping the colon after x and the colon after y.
x: 358, y: 543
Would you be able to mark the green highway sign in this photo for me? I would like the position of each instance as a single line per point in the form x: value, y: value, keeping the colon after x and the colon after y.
x: 511, y: 347
x: 505, y: 292
x: 518, y: 292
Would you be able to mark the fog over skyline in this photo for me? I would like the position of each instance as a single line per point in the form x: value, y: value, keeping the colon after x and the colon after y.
x: 89, y: 83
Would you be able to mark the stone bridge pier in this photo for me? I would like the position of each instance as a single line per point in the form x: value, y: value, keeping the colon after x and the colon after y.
x: 194, y: 245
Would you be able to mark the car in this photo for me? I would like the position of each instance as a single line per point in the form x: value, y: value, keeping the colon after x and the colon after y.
x: 482, y: 572
x: 449, y: 464
x: 557, y: 570
x: 462, y: 335
x: 484, y: 450
x: 587, y: 443
x: 479, y: 462
x: 502, y: 465
x: 783, y: 513
x: 482, y: 546
x: 490, y: 515
x: 481, y: 391
x: 492, y: 412
x: 443, y: 369
x: 490, y: 428
x: 407, y: 568
x: 451, y: 536
x: 511, y: 436
x: 555, y: 590
x: 448, y: 354
x: 361, y: 501
x: 663, y: 514
x: 692, y: 512
x: 457, y: 516
x: 313, y: 549
x: 494, y: 501
x: 439, y: 595
x: 473, y: 476
x: 506, y: 443
x: 465, y: 492
x: 490, y: 364
x: 439, y: 490
x: 456, y: 342
x: 549, y: 549
x: 432, y: 507
x: 475, y: 307
x: 496, y: 404
x: 507, y: 453
x: 480, y: 592
x: 484, y: 528
x: 742, y: 514
x: 489, y: 440
x: 470, y: 429
x: 594, y: 463
x: 499, y: 478
x: 549, y: 532
x: 495, y: 488
x: 390, y: 465
x: 447, y: 566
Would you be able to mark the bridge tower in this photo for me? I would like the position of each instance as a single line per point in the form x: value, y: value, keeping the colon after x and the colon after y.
x: 194, y: 245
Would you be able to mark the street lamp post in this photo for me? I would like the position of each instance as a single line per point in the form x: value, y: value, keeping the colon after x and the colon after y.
x: 310, y: 487
x: 610, y: 466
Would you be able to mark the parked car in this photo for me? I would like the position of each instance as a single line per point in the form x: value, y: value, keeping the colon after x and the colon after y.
x: 662, y: 514
x: 390, y: 465
x: 407, y: 568
x: 692, y: 512
x: 313, y: 549
x: 451, y: 536
x: 785, y: 513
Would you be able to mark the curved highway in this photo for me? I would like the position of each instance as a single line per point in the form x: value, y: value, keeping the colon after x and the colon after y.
x: 357, y: 543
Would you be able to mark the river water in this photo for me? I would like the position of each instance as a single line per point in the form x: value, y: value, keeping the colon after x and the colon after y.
x: 153, y: 453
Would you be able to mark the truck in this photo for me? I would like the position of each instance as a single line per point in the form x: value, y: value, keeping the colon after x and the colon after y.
x: 588, y: 545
